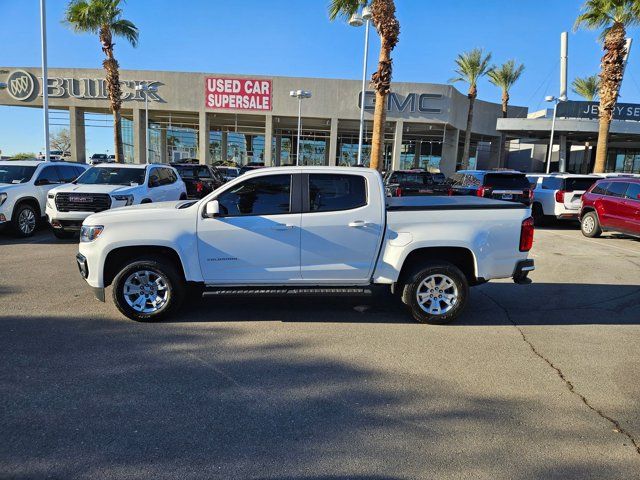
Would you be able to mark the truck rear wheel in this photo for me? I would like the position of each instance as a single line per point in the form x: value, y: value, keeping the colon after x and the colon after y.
x: 148, y: 289
x: 436, y: 293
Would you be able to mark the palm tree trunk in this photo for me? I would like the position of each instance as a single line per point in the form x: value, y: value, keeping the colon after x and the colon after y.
x: 380, y: 111
x: 603, y: 144
x: 612, y: 70
x: 503, y: 139
x: 111, y: 68
x: 467, y: 135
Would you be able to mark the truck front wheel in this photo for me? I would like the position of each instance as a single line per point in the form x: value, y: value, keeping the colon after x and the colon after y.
x: 436, y: 293
x: 148, y: 289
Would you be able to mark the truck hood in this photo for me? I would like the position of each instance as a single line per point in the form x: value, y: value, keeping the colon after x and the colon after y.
x: 164, y: 210
x: 112, y: 189
x: 7, y: 187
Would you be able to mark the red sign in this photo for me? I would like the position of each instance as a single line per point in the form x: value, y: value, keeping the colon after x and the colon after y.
x: 237, y: 93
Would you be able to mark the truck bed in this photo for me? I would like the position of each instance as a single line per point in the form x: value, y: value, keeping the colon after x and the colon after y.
x: 450, y: 203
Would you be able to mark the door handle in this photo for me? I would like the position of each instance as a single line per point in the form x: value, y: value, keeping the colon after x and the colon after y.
x: 282, y: 227
x: 358, y: 224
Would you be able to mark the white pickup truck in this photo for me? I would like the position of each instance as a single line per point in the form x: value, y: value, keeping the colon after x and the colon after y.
x: 305, y: 231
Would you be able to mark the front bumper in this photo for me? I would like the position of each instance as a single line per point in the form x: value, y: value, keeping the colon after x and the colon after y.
x: 83, y: 267
x: 521, y: 272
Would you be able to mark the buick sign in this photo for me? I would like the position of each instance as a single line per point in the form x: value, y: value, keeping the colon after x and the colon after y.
x: 20, y: 85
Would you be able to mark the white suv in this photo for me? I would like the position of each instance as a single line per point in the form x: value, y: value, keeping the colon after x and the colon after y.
x: 110, y: 185
x: 24, y: 185
x: 558, y: 195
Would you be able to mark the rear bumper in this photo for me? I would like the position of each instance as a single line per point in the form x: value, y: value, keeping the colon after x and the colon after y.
x: 521, y: 272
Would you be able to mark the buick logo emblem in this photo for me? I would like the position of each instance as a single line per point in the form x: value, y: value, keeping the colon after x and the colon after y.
x: 20, y: 85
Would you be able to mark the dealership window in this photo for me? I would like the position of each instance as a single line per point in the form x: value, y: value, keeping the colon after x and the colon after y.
x: 314, y: 142
x: 623, y: 160
x: 347, y: 148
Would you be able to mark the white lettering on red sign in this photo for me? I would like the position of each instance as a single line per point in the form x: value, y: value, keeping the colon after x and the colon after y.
x: 237, y: 93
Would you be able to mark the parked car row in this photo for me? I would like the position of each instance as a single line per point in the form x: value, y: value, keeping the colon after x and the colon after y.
x: 611, y: 205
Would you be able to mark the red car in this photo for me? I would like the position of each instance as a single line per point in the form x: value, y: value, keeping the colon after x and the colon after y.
x: 611, y: 204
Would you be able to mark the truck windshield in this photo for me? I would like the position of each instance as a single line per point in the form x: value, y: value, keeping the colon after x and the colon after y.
x: 112, y: 176
x: 15, y: 173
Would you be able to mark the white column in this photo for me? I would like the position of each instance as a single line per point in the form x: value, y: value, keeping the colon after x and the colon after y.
x: 333, y: 142
x: 450, y: 152
x: 268, y: 140
x: 562, y: 164
x: 77, y: 133
x: 203, y: 138
x: 397, y: 145
x: 139, y: 136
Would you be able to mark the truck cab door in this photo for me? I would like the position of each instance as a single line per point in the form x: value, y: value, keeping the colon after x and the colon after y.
x: 256, y: 237
x: 342, y: 227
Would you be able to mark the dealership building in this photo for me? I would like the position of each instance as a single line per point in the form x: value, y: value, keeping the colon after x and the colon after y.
x: 220, y: 117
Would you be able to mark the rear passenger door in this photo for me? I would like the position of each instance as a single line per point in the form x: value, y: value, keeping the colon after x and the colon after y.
x: 632, y: 209
x: 341, y: 229
x: 613, y: 204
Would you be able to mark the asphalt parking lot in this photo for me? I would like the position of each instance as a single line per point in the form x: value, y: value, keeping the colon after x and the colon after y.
x: 537, y: 381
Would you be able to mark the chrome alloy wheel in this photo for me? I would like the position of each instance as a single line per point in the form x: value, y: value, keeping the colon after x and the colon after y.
x: 27, y: 221
x: 437, y: 294
x: 146, y: 291
x: 588, y: 224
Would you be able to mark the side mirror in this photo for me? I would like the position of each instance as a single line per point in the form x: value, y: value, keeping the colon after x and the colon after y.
x: 41, y: 182
x: 212, y: 209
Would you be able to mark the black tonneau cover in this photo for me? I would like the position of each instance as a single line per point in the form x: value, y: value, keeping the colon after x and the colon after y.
x: 395, y: 204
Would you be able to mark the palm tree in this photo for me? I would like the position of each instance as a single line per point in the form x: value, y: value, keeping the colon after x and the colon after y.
x: 587, y: 87
x: 505, y: 77
x: 104, y: 18
x: 613, y: 17
x: 388, y: 27
x: 471, y: 66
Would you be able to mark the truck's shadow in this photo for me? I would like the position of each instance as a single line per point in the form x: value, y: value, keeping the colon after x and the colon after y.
x: 490, y: 304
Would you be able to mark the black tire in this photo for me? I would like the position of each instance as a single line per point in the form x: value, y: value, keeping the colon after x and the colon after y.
x: 539, y: 218
x: 590, y: 225
x: 159, y: 267
x: 63, y: 234
x: 459, y: 288
x: 183, y: 196
x: 25, y: 220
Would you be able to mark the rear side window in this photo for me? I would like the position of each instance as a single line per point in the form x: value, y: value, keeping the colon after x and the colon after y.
x: 633, y: 192
x: 551, y: 183
x: 412, y: 178
x: 617, y: 189
x: 506, y: 181
x: 578, y: 184
x: 601, y: 188
x: 266, y: 195
x: 332, y: 192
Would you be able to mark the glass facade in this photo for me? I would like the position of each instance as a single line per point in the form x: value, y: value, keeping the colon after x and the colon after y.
x: 623, y: 160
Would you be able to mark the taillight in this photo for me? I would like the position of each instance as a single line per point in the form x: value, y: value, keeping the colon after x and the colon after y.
x: 199, y: 187
x: 560, y: 196
x: 398, y: 192
x: 450, y: 192
x: 526, y: 234
x: 482, y: 191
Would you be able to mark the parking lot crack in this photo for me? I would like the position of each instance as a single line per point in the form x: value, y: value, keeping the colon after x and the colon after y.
x: 617, y: 427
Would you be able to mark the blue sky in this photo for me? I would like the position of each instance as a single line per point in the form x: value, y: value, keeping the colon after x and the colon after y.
x: 295, y: 38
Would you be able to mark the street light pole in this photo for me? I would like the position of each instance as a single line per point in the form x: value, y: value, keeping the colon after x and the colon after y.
x: 300, y: 95
x: 357, y: 21
x: 143, y: 87
x: 556, y: 100
x: 45, y: 77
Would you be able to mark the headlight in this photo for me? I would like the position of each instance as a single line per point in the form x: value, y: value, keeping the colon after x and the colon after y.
x: 124, y: 198
x: 3, y: 198
x: 88, y: 233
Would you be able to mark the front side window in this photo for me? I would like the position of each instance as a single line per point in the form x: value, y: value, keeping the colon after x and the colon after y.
x: 633, y: 192
x: 48, y: 176
x: 600, y: 188
x: 617, y: 189
x: 267, y: 195
x: 15, y: 173
x: 112, y: 176
x: 332, y: 192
